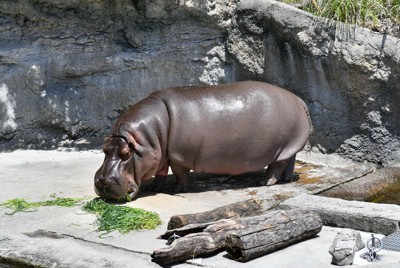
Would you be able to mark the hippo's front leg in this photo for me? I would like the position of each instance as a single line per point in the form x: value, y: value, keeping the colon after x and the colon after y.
x: 182, y: 178
x: 159, y: 181
x: 158, y: 184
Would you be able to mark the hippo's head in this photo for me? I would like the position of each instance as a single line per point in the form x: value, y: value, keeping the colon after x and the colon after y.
x: 115, y: 178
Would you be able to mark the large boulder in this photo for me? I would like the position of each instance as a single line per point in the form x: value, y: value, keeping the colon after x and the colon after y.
x: 346, y: 243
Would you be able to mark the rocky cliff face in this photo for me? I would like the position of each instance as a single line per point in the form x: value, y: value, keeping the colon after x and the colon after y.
x: 349, y: 77
x: 69, y: 68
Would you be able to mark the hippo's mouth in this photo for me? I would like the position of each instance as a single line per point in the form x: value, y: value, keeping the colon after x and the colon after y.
x: 132, y: 191
x: 114, y: 191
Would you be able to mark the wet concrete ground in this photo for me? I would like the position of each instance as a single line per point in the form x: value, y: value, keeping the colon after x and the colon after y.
x: 38, y: 175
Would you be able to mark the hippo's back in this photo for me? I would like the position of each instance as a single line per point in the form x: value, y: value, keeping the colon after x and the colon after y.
x: 233, y: 128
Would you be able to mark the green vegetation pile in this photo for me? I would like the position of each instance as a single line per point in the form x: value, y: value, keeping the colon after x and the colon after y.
x: 21, y: 205
x: 110, y: 217
x: 121, y: 218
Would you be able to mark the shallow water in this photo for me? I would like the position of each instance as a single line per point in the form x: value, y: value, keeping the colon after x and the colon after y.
x: 391, y: 195
x: 388, y: 198
x: 9, y: 264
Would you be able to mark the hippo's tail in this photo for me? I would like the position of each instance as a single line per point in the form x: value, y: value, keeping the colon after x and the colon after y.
x: 308, y: 114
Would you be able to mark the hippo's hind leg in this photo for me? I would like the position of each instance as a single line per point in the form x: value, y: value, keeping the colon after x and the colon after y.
x: 182, y: 178
x: 274, y: 173
x: 279, y: 172
x: 287, y: 174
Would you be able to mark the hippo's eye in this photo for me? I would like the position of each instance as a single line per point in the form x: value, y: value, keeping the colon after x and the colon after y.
x: 124, y: 154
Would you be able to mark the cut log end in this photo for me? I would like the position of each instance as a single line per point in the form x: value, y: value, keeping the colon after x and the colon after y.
x: 177, y: 221
x: 234, y: 252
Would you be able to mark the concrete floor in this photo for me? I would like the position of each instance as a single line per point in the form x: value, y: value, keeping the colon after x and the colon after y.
x: 38, y: 175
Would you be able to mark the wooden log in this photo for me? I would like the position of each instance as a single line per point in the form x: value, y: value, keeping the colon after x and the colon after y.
x: 210, y: 240
x: 272, y: 234
x: 187, y: 229
x: 206, y: 238
x: 251, y: 207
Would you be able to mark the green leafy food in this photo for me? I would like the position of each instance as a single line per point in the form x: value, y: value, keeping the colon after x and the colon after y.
x: 109, y: 217
x: 20, y: 205
x: 121, y: 218
x: 127, y: 198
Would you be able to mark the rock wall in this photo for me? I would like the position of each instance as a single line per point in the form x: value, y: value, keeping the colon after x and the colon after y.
x: 349, y: 77
x: 69, y: 68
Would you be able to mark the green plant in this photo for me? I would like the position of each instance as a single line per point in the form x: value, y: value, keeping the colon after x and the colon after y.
x: 360, y: 12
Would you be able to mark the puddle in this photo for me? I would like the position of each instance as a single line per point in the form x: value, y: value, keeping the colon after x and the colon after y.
x: 389, y: 195
x: 4, y: 263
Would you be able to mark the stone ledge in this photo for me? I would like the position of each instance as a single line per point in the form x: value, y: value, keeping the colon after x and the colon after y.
x: 369, y: 217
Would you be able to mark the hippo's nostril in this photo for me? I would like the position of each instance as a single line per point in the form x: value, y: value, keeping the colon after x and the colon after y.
x: 102, y: 183
x: 114, y: 180
x: 106, y: 183
x: 109, y: 187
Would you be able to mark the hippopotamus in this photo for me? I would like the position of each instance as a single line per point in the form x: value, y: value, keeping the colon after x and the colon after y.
x: 233, y: 128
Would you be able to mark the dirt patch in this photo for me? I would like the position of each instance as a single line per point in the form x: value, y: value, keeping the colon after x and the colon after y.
x: 305, y: 173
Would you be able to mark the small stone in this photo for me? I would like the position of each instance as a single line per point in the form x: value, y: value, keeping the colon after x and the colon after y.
x: 343, y: 248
